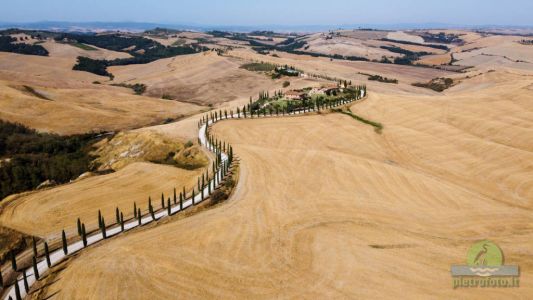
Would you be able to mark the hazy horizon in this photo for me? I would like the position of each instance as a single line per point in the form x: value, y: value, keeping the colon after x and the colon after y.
x: 275, y: 12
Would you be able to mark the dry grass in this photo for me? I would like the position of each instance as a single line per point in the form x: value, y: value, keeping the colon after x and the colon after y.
x: 204, y: 78
x: 59, y: 207
x: 326, y: 208
x: 68, y: 111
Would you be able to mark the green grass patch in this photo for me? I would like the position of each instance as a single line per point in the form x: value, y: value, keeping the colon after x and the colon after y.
x: 83, y: 46
x: 378, y: 127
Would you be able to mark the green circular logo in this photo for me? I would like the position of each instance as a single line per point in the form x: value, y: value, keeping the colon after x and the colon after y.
x: 484, y: 253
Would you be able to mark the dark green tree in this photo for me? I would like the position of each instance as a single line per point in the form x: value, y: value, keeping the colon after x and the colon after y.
x: 25, y: 278
x: 104, y: 233
x: 117, y: 214
x: 135, y: 210
x: 64, y: 240
x: 34, y: 244
x: 13, y: 260
x: 121, y: 221
x: 84, y: 235
x: 151, y: 209
x: 47, y: 254
x: 79, y: 226
x: 17, y: 291
x: 168, y: 207
x: 99, y: 219
x: 175, y: 198
x: 35, y: 269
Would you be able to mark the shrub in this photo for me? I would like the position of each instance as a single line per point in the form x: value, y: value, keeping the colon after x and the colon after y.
x: 382, y: 79
x: 286, y: 84
x: 218, y: 196
x: 436, y: 84
x: 259, y: 67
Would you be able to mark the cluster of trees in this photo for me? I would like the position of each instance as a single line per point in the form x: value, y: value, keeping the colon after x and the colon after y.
x: 291, y: 45
x: 7, y: 44
x: 95, y: 66
x: 441, y: 37
x: 143, y: 50
x: 259, y: 67
x: 259, y: 107
x: 409, y: 56
x: 435, y: 46
x: 382, y: 79
x: 27, y: 158
x: 437, y: 84
x: 526, y: 42
x: 138, y: 88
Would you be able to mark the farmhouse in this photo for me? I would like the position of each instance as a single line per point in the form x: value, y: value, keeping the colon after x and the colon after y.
x: 295, y: 95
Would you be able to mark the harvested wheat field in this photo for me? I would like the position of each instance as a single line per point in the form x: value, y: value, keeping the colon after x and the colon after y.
x: 58, y: 208
x: 69, y: 111
x: 204, y: 78
x: 327, y: 208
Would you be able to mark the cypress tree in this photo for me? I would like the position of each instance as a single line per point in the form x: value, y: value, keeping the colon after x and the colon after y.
x: 181, y: 201
x: 238, y: 113
x: 121, y: 221
x: 104, y: 234
x: 79, y: 227
x: 34, y: 246
x: 175, y: 198
x: 47, y: 254
x: 168, y: 207
x: 149, y: 201
x: 13, y: 261
x: 135, y: 210
x: 99, y: 219
x: 64, y: 239
x: 199, y: 187
x: 17, y: 290
x: 193, y: 197
x: 203, y: 186
x: 35, y: 269
x: 151, y: 209
x: 117, y: 213
x: 25, y: 278
x: 139, y: 216
x: 162, y: 201
x: 83, y: 235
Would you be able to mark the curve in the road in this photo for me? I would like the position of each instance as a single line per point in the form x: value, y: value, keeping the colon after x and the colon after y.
x: 57, y: 256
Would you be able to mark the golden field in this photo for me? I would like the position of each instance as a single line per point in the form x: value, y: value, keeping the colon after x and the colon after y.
x: 325, y: 207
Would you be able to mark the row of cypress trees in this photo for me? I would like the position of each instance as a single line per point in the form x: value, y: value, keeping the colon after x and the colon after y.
x: 220, y: 169
x: 252, y: 109
x: 214, y: 145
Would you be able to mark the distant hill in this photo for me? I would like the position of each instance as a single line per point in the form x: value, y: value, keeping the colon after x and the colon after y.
x: 142, y: 26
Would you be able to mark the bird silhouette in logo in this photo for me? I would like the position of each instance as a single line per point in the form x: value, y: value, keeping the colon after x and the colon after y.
x: 481, y: 257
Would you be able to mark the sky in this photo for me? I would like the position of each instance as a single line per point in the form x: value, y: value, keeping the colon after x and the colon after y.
x: 273, y: 12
